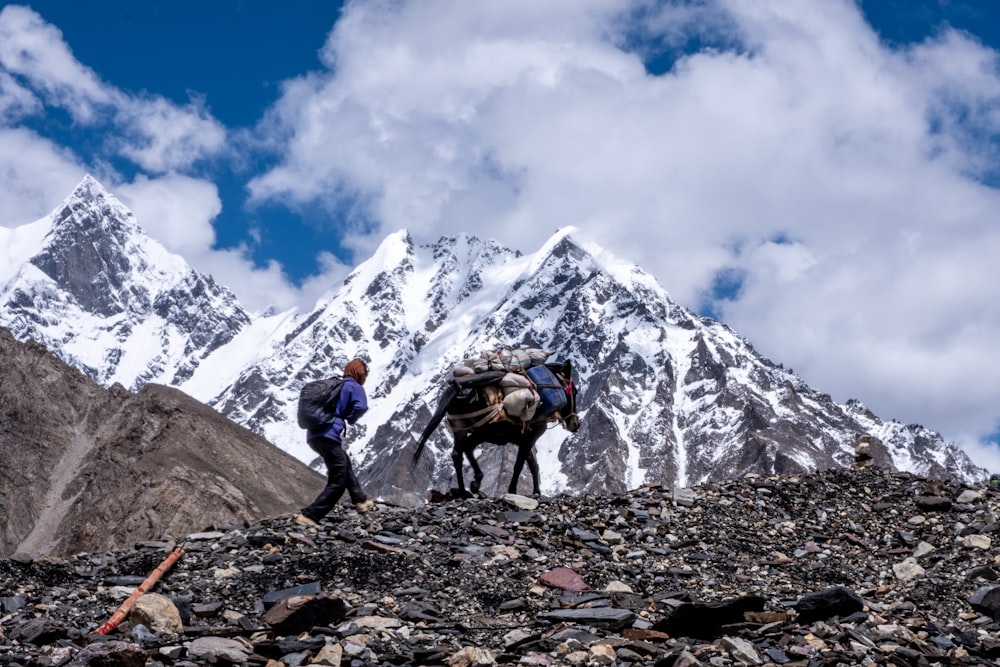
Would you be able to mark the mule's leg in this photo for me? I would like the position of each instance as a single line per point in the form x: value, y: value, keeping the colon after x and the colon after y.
x: 533, y: 467
x: 523, y: 454
x: 456, y: 459
x: 477, y: 472
x: 526, y: 453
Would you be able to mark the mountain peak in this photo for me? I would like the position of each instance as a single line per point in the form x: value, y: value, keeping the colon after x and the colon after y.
x: 88, y: 189
x: 395, y: 246
x: 94, y: 263
x: 91, y: 207
x: 562, y: 244
x: 560, y: 235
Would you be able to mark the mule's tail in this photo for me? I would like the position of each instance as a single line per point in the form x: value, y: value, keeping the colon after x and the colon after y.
x: 443, y: 403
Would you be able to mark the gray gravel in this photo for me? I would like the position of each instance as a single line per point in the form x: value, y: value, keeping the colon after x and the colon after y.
x: 845, y: 567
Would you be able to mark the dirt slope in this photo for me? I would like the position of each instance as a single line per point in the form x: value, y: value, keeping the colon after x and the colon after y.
x: 86, y: 468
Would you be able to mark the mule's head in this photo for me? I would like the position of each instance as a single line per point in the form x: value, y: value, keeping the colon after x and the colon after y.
x: 570, y: 420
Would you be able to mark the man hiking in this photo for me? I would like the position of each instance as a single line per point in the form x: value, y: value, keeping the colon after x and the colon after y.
x: 327, y: 441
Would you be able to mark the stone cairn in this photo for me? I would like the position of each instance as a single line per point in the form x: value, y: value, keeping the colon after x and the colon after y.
x: 843, y: 567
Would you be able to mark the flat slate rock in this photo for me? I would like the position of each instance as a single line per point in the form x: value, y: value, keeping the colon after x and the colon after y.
x: 620, y: 618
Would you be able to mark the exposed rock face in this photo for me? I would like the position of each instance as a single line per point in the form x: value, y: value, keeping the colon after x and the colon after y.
x: 846, y: 567
x: 88, y: 468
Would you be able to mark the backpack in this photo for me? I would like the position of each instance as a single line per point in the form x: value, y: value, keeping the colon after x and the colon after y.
x: 318, y: 402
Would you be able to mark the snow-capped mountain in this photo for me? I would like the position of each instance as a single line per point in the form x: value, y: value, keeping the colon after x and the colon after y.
x: 666, y: 396
x: 90, y: 285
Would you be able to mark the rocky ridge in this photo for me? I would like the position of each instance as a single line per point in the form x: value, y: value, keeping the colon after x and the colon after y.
x: 856, y: 566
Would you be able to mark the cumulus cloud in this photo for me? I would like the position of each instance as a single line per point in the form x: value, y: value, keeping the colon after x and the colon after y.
x: 176, y: 210
x: 38, y: 175
x: 260, y: 289
x: 842, y: 186
x: 16, y: 101
x: 152, y: 132
x: 983, y: 454
x: 160, y: 136
x: 332, y: 272
x: 35, y: 50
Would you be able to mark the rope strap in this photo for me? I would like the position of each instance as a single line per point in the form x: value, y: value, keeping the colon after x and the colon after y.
x: 489, y: 413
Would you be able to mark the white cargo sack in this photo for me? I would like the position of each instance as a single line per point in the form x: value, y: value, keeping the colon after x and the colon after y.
x: 521, y: 403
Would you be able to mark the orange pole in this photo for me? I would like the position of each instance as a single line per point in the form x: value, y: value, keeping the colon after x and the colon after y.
x: 150, y: 581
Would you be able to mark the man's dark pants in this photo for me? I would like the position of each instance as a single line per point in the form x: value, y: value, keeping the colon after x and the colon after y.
x: 339, y: 477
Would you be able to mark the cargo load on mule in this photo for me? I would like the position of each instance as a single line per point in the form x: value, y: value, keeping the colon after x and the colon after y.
x: 506, y: 396
x: 514, y: 385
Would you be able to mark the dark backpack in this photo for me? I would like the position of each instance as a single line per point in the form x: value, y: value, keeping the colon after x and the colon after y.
x: 318, y: 402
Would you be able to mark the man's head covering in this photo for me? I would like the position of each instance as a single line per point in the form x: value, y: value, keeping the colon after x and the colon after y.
x: 357, y: 369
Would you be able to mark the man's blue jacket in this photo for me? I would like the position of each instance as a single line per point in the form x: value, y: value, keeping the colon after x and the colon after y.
x: 351, y: 404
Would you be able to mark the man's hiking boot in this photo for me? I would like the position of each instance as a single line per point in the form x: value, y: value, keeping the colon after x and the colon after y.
x: 303, y: 520
x: 365, y: 506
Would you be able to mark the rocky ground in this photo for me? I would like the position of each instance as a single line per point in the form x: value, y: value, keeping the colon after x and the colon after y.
x: 844, y: 567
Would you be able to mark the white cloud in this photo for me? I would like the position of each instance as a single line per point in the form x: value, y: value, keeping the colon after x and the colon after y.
x: 986, y: 455
x: 35, y: 50
x: 259, y: 289
x: 160, y: 136
x: 837, y: 175
x: 176, y: 210
x: 153, y: 132
x: 16, y: 101
x: 332, y: 273
x: 38, y: 175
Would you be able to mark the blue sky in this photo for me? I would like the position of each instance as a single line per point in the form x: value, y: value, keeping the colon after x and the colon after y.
x: 821, y: 176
